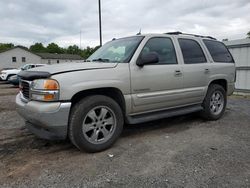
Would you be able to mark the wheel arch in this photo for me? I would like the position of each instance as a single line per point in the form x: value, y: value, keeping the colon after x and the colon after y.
x: 9, y: 75
x: 114, y: 93
x: 221, y: 82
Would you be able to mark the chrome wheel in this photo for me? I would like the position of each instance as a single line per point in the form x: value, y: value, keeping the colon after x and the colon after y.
x: 216, y: 103
x: 99, y: 125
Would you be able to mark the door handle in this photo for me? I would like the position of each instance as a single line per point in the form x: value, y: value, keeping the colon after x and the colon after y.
x: 206, y: 71
x: 177, y: 73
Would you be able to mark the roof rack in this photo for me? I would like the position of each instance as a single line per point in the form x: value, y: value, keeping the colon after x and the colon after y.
x: 180, y: 33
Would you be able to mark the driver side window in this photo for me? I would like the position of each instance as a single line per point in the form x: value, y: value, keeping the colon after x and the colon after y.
x: 163, y: 47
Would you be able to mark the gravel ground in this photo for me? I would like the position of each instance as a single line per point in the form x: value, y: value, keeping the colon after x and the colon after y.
x: 175, y: 152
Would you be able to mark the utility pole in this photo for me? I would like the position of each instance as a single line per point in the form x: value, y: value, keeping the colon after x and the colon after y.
x: 100, y: 22
x: 80, y: 39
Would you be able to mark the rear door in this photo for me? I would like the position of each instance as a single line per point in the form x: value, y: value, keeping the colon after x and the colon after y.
x: 196, y: 70
x: 157, y: 86
x: 222, y: 66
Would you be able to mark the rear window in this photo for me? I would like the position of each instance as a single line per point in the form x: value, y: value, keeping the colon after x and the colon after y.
x: 191, y: 51
x: 218, y: 51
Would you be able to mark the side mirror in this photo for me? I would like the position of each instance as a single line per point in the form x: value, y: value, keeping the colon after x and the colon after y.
x: 147, y: 58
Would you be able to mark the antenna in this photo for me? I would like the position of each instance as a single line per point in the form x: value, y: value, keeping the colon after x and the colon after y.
x: 139, y: 32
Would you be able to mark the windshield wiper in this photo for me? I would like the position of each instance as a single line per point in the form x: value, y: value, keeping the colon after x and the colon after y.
x: 101, y: 60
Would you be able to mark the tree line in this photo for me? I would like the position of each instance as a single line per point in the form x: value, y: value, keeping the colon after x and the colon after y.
x: 54, y: 48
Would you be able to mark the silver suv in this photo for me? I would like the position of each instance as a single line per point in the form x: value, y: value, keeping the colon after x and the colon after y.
x: 134, y: 79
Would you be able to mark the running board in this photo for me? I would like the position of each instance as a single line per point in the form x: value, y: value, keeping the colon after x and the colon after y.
x: 135, y: 119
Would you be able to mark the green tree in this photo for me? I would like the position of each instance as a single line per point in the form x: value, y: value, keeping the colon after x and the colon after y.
x: 248, y: 34
x: 73, y: 50
x: 88, y: 51
x: 37, y: 48
x: 54, y: 48
x: 6, y: 46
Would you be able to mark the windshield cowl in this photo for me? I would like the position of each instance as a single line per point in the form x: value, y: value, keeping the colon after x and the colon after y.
x: 101, y: 60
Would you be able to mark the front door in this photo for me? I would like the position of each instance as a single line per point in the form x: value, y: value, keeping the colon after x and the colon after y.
x: 157, y: 86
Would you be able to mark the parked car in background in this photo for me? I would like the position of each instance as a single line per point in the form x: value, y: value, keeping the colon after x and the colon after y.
x: 6, y: 74
x: 14, y: 80
x: 134, y: 79
x: 3, y: 70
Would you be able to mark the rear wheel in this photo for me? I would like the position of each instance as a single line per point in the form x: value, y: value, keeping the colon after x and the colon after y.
x: 215, y: 102
x: 95, y: 124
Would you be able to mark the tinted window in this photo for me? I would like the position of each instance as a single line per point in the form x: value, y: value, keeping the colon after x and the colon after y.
x: 164, y: 49
x: 191, y: 51
x: 218, y: 51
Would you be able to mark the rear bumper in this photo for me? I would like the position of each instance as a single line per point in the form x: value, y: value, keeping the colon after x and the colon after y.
x: 48, y: 120
x: 230, y: 88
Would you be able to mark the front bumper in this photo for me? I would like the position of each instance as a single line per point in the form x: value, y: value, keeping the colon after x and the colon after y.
x: 3, y: 76
x: 48, y: 120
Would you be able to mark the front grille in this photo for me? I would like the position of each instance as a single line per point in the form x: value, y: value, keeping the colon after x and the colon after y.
x: 25, y: 89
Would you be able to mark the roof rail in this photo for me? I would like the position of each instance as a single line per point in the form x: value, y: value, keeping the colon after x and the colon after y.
x: 180, y: 33
x: 174, y: 33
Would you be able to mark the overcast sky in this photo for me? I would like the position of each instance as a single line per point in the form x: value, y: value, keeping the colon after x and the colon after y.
x: 28, y: 21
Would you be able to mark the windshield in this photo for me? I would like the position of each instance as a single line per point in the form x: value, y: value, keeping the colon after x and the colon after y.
x: 24, y: 67
x: 119, y: 50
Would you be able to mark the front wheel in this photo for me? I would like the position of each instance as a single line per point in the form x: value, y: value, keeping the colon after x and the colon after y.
x: 215, y: 102
x: 8, y: 78
x: 95, y: 123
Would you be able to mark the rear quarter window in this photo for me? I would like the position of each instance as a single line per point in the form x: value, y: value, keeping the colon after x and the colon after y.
x: 218, y: 51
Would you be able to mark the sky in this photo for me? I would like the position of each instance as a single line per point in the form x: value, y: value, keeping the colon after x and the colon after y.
x: 25, y: 22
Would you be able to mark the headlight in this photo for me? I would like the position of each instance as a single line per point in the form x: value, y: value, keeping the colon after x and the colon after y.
x: 45, y: 90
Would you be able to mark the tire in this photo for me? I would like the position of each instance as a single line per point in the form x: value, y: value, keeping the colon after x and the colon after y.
x: 95, y: 124
x: 214, y: 103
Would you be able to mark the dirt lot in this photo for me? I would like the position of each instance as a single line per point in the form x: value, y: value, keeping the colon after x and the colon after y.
x: 175, y: 152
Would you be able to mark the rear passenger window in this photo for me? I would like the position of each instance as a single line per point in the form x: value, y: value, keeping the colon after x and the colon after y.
x: 218, y: 51
x: 191, y: 51
x: 163, y: 47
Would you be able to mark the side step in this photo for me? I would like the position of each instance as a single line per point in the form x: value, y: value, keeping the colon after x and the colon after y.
x: 141, y: 118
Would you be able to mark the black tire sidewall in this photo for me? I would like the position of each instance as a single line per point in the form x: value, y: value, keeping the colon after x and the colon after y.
x: 206, y: 113
x: 80, y: 110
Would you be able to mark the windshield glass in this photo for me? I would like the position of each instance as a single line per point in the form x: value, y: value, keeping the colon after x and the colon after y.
x: 24, y: 67
x: 119, y: 50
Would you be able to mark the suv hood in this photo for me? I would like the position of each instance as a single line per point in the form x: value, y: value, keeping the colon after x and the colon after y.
x: 70, y: 67
x: 47, y: 71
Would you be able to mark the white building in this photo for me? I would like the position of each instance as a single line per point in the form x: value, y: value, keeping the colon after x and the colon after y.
x: 19, y: 56
x: 240, y: 49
